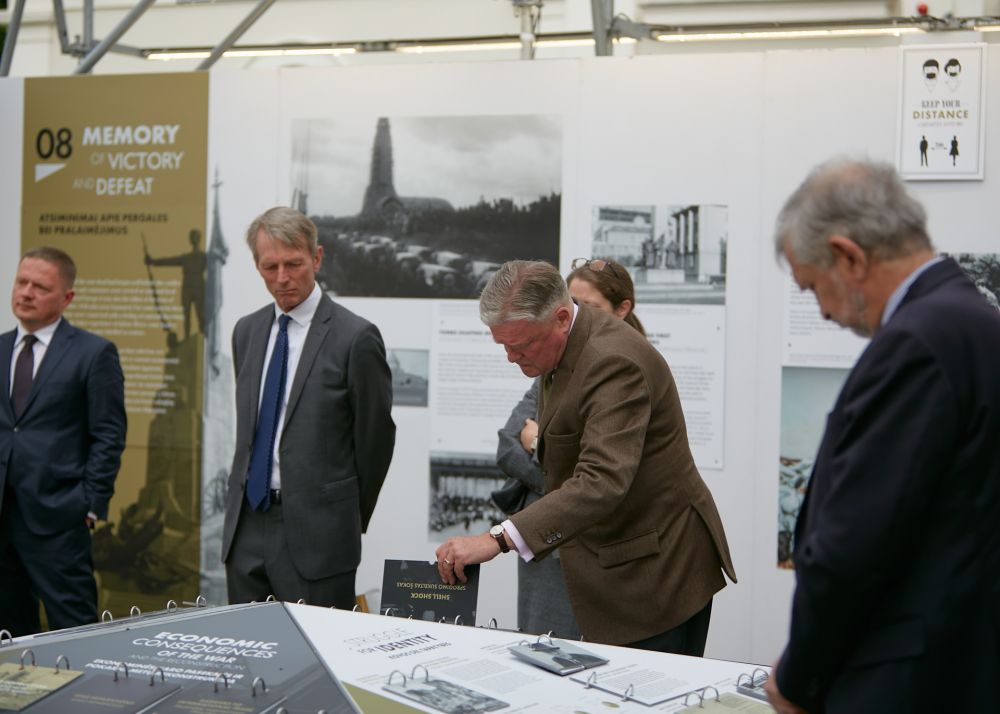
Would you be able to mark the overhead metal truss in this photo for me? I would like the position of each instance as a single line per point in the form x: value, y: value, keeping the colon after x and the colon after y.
x: 608, y: 29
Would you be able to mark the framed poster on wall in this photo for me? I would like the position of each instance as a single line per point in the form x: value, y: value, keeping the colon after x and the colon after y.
x: 942, y: 105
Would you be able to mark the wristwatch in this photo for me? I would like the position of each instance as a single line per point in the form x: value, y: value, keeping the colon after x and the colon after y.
x: 497, y: 533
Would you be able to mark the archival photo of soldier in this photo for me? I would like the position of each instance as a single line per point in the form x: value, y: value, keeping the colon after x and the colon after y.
x: 460, y: 503
x: 675, y: 253
x: 984, y: 270
x: 409, y: 376
x: 427, y: 207
x: 807, y: 395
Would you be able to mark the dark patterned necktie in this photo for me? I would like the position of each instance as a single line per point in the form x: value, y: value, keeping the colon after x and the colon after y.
x: 24, y: 370
x: 261, y: 457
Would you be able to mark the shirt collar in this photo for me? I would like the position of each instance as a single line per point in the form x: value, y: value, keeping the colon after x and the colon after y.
x: 894, y: 301
x: 44, y: 334
x: 302, y: 314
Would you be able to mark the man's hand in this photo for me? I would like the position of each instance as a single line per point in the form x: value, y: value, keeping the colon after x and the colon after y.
x: 528, y: 434
x: 455, y: 553
x: 777, y: 699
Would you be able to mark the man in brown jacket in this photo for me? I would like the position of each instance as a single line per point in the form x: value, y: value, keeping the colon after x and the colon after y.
x: 643, y: 548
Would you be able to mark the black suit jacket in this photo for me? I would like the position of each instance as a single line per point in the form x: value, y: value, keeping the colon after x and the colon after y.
x: 62, y: 456
x: 337, y: 436
x: 897, y: 548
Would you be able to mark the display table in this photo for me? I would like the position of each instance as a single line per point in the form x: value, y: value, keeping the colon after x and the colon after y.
x: 297, y: 659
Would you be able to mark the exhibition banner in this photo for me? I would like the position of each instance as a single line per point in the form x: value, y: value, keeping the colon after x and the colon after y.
x: 114, y: 173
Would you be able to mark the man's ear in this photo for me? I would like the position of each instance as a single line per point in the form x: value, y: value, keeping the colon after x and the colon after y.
x: 848, y: 257
x: 564, y: 317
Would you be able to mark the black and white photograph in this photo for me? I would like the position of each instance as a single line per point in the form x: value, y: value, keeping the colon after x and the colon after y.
x: 675, y: 253
x: 460, y: 503
x: 427, y: 207
x: 556, y: 655
x: 441, y: 695
x: 807, y: 395
x: 984, y: 270
x: 409, y: 376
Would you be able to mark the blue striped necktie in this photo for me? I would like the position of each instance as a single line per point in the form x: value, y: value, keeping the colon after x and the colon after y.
x: 261, y: 457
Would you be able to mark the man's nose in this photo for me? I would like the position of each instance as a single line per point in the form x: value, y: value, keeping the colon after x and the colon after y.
x: 512, y: 355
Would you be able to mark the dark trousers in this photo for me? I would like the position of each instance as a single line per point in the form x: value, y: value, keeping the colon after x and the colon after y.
x: 54, y: 569
x: 688, y: 638
x: 260, y: 565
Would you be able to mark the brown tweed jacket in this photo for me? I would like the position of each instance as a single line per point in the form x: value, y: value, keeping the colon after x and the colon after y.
x: 641, y: 541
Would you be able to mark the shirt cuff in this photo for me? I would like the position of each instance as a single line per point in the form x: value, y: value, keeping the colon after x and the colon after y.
x: 519, y: 544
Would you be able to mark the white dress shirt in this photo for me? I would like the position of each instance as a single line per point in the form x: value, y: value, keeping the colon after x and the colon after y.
x: 298, y: 327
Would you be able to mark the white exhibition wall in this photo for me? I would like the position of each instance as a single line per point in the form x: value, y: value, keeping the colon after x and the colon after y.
x: 736, y: 129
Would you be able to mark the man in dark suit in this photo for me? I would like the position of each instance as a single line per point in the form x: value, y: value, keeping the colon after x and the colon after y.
x: 642, y: 547
x: 897, y: 549
x: 62, y: 432
x: 314, y: 435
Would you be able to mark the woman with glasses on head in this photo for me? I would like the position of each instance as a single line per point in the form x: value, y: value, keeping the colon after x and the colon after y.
x: 542, y: 603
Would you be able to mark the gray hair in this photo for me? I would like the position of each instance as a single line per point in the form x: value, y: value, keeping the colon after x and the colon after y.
x: 865, y: 201
x: 523, y: 290
x: 59, y: 258
x: 285, y: 225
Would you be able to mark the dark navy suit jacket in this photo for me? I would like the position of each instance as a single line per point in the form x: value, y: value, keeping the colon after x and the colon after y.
x: 62, y: 456
x: 897, y: 548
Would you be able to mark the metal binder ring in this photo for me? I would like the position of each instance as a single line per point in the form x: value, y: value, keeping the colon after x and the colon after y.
x: 200, y: 601
x: 628, y: 693
x: 393, y: 673
x: 458, y: 619
x: 62, y: 658
x: 270, y: 598
x: 413, y: 672
x: 763, y: 676
x: 171, y: 605
x: 27, y: 652
x: 253, y: 686
x: 492, y: 624
x: 225, y: 680
x: 301, y: 601
x: 10, y: 638
x: 356, y: 608
x: 121, y: 666
x: 697, y: 693
x: 704, y: 692
x: 152, y: 677
x: 106, y: 616
x: 546, y: 637
x: 591, y: 680
x: 389, y: 611
x: 134, y: 611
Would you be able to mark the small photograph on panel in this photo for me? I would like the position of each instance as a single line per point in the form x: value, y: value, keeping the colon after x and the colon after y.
x: 984, y: 270
x: 675, y: 253
x: 461, y: 484
x: 807, y: 395
x: 427, y: 207
x: 409, y: 377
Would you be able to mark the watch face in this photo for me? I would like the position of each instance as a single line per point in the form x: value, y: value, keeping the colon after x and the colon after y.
x: 496, y: 531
